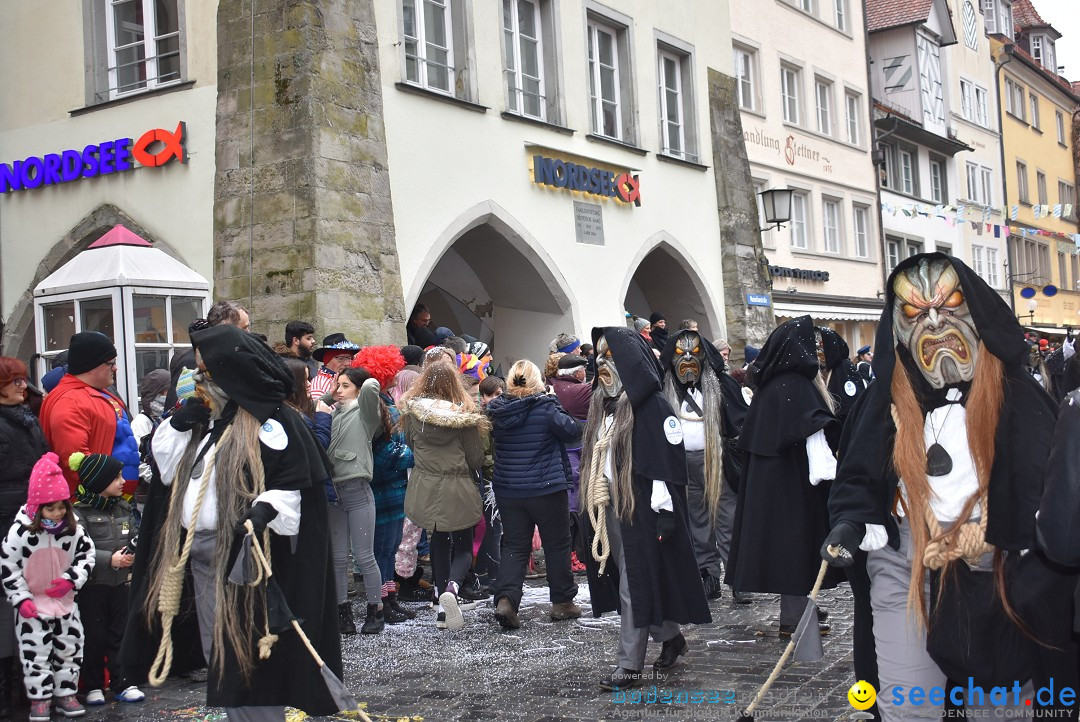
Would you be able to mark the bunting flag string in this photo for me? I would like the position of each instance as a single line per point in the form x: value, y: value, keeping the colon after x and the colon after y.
x: 957, y: 213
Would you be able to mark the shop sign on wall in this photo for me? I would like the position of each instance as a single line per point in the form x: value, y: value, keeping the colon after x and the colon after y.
x: 558, y: 173
x: 589, y: 223
x: 153, y: 149
x: 799, y: 274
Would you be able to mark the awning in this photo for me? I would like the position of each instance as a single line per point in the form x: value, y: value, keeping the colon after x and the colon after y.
x: 1046, y: 329
x: 826, y: 313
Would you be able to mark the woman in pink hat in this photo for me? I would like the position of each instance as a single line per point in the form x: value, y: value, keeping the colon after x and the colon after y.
x: 44, y: 559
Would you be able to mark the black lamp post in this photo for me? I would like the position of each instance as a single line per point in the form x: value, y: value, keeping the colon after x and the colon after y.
x: 776, y: 203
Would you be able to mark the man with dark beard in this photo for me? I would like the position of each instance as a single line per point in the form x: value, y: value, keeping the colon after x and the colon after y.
x: 633, y: 492
x: 244, y: 456
x: 940, y: 480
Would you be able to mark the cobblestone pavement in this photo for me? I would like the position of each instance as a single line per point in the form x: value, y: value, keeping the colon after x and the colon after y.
x: 549, y: 672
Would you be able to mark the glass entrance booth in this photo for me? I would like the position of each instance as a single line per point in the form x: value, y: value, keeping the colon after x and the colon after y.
x: 137, y: 295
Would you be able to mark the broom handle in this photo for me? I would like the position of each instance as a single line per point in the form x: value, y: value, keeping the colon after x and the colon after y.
x: 790, y: 645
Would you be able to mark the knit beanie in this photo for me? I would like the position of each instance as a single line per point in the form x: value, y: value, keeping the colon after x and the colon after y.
x: 640, y: 324
x: 96, y: 471
x: 88, y: 350
x: 722, y: 344
x: 751, y: 353
x: 656, y: 316
x: 564, y: 343
x: 47, y: 484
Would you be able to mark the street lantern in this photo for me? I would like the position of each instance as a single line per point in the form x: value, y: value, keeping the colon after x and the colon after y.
x: 776, y: 204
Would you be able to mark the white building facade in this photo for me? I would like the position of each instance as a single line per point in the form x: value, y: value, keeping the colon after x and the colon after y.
x: 805, y: 100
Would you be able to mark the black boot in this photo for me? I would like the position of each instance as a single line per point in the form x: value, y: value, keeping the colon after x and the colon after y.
x: 374, y: 622
x: 391, y: 614
x: 346, y: 623
x: 391, y: 600
x: 5, y: 687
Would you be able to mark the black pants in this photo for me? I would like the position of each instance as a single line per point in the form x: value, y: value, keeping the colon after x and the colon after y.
x: 104, y: 612
x: 451, y: 557
x: 551, y: 513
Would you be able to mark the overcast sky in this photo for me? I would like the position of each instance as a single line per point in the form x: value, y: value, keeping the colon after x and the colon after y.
x: 1064, y: 15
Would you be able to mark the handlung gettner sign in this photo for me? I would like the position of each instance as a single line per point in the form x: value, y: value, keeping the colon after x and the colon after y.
x: 153, y: 149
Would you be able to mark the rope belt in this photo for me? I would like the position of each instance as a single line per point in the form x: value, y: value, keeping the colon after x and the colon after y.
x: 599, y: 498
x: 967, y: 542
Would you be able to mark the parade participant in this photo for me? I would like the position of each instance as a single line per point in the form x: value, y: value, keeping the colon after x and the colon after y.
x: 659, y: 330
x: 633, y: 489
x: 45, y: 558
x: 247, y: 456
x: 782, y: 519
x: 691, y: 386
x: 940, y: 480
x: 842, y: 379
x: 445, y: 431
x: 335, y: 355
x: 864, y: 365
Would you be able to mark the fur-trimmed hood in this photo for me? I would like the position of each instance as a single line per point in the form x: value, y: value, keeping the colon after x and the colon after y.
x: 446, y: 414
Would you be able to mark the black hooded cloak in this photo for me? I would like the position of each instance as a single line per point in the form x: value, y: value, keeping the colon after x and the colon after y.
x: 866, y: 481
x: 845, y: 382
x: 255, y: 379
x: 781, y: 520
x: 665, y: 584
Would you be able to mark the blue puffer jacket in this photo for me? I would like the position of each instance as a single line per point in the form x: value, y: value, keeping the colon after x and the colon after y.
x: 529, y: 435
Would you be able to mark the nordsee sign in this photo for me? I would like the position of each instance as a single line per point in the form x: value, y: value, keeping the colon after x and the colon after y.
x: 594, y: 181
x: 105, y: 158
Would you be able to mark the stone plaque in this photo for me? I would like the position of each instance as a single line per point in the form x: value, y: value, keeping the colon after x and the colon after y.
x: 589, y: 223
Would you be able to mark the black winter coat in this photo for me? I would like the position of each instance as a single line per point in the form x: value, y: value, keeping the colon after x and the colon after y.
x: 530, y: 437
x: 22, y: 443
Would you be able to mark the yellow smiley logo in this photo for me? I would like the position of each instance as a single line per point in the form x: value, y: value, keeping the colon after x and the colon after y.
x: 862, y: 695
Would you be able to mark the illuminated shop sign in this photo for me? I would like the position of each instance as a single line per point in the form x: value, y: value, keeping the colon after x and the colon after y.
x: 594, y: 181
x: 799, y: 274
x: 153, y: 149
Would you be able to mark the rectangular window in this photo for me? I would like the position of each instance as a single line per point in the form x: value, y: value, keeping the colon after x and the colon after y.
x: 799, y: 220
x: 1022, y: 181
x: 1067, y: 197
x: 1014, y: 98
x: 831, y: 223
x: 977, y: 263
x: 1040, y: 185
x: 1062, y: 279
x: 972, y: 181
x: 823, y: 96
x: 986, y: 177
x: 840, y: 14
x: 982, y: 116
x: 851, y: 102
x: 767, y: 239
x: 672, y: 131
x: 1005, y: 18
x: 1034, y: 111
x: 789, y: 93
x: 938, y: 192
x: 524, y: 58
x: 604, y: 80
x: 1075, y: 262
x: 892, y: 250
x: 143, y: 41
x: 429, y: 44
x: 861, y: 224
x: 888, y: 168
x: 745, y: 76
x: 907, y: 171
x: 1059, y: 119
x: 989, y: 16
x: 992, y: 267
x: 1036, y: 43
x: 967, y: 99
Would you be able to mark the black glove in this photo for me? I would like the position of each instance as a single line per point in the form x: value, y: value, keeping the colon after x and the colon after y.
x: 260, y: 514
x: 193, y: 413
x: 665, y: 525
x: 845, y: 538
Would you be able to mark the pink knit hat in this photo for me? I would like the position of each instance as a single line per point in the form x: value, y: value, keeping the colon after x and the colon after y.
x: 47, y: 484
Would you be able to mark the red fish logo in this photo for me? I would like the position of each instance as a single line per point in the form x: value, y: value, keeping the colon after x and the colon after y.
x: 174, y: 146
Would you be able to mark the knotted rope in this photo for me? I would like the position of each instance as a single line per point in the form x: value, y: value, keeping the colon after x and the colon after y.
x: 599, y: 498
x: 966, y: 541
x: 172, y: 586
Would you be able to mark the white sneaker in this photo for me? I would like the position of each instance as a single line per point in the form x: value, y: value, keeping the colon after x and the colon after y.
x: 95, y: 698
x: 131, y: 694
x: 449, y: 603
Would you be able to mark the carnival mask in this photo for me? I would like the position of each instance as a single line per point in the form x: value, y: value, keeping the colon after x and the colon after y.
x: 688, y: 359
x: 606, y: 373
x: 205, y: 389
x: 819, y: 347
x: 931, y: 319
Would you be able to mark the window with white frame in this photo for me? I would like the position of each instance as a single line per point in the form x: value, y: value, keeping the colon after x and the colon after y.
x: 972, y: 181
x: 971, y: 25
x: 989, y: 12
x: 429, y: 44
x: 979, y: 178
x: 1059, y: 120
x: 986, y: 179
x: 1004, y: 17
x: 1074, y: 261
x: 1040, y: 185
x: 1042, y: 50
x: 746, y: 77
x: 800, y: 220
x: 992, y: 267
x: 1034, y: 120
x: 907, y: 169
x: 767, y: 235
x: 1062, y: 269
x: 982, y: 116
x: 893, y: 247
x: 888, y: 173
x: 851, y: 106
x: 789, y: 93
x: 1067, y: 197
x: 967, y: 99
x: 677, y: 133
x: 610, y: 85
x: 143, y: 43
x: 860, y: 222
x: 978, y: 263
x: 823, y: 99
x: 840, y: 15
x: 830, y: 216
x: 523, y: 54
x: 1014, y: 98
x: 938, y: 192
x: 1022, y: 181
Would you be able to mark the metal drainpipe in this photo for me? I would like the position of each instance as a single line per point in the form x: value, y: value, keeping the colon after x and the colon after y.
x: 1005, y: 175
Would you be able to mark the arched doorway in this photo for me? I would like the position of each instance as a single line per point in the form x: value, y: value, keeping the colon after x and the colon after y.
x: 665, y: 281
x: 488, y: 277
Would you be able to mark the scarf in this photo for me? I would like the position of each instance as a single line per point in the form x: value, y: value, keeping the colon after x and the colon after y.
x: 95, y: 501
x: 53, y: 527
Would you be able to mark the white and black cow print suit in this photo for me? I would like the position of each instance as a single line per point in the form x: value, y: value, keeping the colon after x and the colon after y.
x: 50, y: 646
